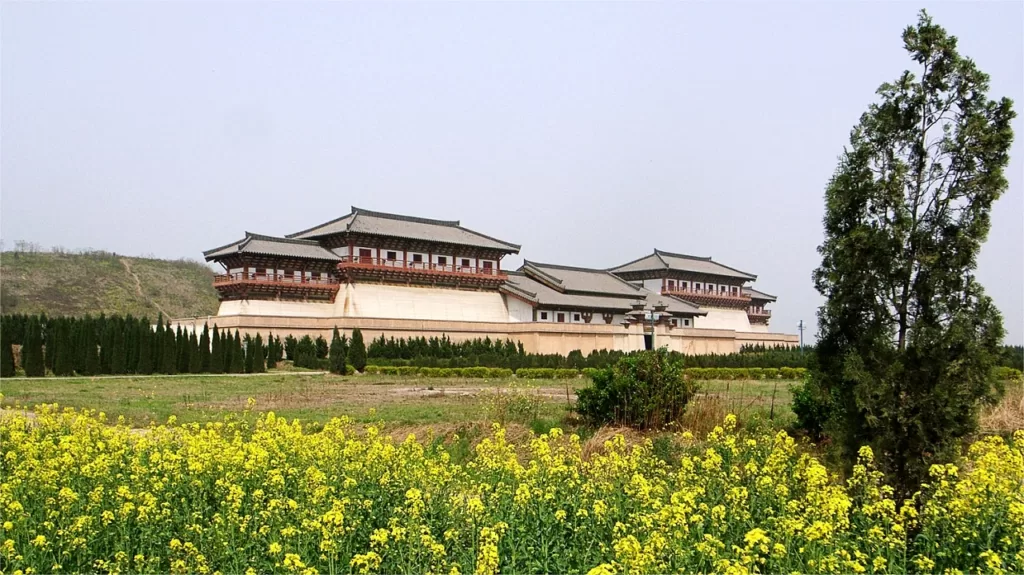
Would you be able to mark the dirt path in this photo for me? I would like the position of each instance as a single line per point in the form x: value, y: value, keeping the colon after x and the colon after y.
x: 138, y: 287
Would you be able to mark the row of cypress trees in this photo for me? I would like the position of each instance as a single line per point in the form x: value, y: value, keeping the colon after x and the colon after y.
x: 116, y: 345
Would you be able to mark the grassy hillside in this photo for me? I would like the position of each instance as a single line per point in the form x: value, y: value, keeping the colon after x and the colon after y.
x: 95, y: 282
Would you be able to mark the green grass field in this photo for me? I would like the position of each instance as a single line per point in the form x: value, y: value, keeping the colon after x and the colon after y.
x: 319, y: 397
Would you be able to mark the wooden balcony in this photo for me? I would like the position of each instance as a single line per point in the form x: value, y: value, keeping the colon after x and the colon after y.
x: 399, y: 271
x: 711, y: 297
x: 759, y: 316
x: 273, y: 286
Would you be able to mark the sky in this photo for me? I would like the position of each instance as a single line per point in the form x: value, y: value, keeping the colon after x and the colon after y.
x: 590, y: 133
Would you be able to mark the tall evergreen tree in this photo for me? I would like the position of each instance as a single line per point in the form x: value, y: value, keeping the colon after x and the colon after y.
x: 6, y: 358
x: 118, y: 351
x: 65, y: 361
x: 32, y: 350
x: 195, y: 358
x: 92, y: 352
x: 216, y: 352
x: 357, y: 351
x: 237, y: 355
x: 321, y: 347
x: 289, y: 347
x: 158, y: 345
x: 50, y: 344
x: 249, y: 354
x: 145, y: 338
x: 169, y: 353
x: 259, y: 358
x: 907, y: 337
x: 106, y: 342
x: 183, y: 349
x: 271, y: 351
x: 338, y: 353
x: 205, y: 357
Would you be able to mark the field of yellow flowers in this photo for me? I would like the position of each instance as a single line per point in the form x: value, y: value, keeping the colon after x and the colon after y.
x: 78, y: 493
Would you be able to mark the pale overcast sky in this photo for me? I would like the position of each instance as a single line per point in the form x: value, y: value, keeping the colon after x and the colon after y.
x: 589, y: 133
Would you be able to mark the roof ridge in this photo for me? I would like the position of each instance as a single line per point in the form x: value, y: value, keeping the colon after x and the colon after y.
x: 516, y: 246
x: 659, y: 253
x: 612, y: 270
x: 307, y: 230
x: 386, y: 215
x: 596, y: 270
x: 707, y: 259
x: 227, y: 245
x: 284, y: 240
x: 752, y: 289
x: 527, y: 263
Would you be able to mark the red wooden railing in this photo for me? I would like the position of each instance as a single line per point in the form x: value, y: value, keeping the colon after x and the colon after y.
x: 364, y: 262
x: 273, y: 278
x: 706, y: 293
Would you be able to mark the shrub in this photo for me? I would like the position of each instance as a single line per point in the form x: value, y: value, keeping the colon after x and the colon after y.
x: 812, y: 406
x: 589, y: 372
x: 1008, y: 374
x: 646, y: 390
x: 566, y: 374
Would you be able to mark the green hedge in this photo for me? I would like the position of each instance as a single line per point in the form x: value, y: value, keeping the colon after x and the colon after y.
x: 546, y: 373
x: 461, y: 372
x: 1009, y: 374
x: 726, y: 373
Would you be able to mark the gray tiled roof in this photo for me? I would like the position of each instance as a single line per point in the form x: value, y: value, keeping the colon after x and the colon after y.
x: 547, y: 297
x: 573, y: 279
x: 269, y: 245
x: 660, y: 260
x: 381, y: 224
x: 583, y: 288
x: 754, y: 294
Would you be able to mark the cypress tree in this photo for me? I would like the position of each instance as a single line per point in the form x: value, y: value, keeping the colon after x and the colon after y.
x: 259, y: 356
x: 118, y: 352
x: 92, y: 352
x: 338, y: 354
x: 32, y: 350
x: 145, y: 339
x: 131, y: 344
x: 204, y: 350
x: 157, y: 345
x: 289, y: 347
x: 216, y: 352
x: 357, y: 351
x: 106, y: 334
x: 50, y: 344
x: 226, y: 348
x: 195, y: 359
x: 168, y: 355
x: 63, y: 361
x: 271, y: 351
x: 182, y: 347
x: 907, y: 338
x: 6, y: 358
x: 250, y: 354
x: 321, y: 347
x: 237, y: 355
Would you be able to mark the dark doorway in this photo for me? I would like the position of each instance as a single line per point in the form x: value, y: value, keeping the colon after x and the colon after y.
x: 647, y: 341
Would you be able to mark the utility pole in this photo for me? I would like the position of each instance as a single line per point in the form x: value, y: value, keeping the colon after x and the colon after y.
x: 801, y: 328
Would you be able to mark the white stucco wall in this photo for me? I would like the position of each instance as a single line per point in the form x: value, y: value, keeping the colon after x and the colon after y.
x: 734, y: 319
x: 283, y: 308
x: 404, y: 302
x: 518, y: 310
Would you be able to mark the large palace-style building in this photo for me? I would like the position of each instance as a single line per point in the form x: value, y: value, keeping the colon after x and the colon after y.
x: 405, y: 276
